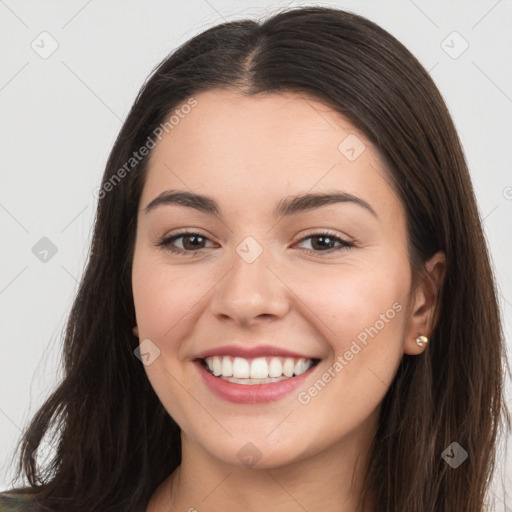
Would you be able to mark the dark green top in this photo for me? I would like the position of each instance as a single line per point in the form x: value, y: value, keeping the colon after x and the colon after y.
x: 15, y: 503
x: 21, y: 502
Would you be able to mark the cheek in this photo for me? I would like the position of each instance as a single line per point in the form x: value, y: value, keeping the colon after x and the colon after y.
x: 164, y: 299
x: 162, y: 294
x: 352, y: 298
x: 364, y: 307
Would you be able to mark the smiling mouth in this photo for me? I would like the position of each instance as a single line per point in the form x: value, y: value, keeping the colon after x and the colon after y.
x: 259, y: 370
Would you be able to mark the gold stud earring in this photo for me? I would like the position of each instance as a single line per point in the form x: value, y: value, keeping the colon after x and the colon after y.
x: 421, y: 340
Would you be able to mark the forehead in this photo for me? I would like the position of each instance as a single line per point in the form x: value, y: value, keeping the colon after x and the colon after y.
x: 266, y: 146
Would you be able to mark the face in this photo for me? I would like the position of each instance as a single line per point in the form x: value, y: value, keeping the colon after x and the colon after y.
x: 253, y: 273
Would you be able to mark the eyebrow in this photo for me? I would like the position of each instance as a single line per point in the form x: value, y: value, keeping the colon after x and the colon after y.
x: 286, y: 207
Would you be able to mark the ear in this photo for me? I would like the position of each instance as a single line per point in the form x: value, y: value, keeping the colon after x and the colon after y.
x: 135, y: 331
x: 423, y: 313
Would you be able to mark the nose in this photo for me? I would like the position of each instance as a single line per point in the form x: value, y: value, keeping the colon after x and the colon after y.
x: 250, y: 292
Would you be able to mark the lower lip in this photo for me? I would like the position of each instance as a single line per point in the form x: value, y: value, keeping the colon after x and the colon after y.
x: 252, y: 393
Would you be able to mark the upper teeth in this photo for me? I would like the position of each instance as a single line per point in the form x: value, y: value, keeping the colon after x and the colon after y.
x: 258, y: 368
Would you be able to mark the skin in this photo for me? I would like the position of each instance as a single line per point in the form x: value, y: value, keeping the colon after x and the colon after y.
x: 248, y: 153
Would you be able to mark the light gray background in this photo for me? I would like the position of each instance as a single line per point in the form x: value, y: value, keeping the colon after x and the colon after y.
x: 61, y: 114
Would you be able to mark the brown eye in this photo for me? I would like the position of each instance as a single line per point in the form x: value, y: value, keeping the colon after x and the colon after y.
x: 191, y: 243
x: 324, y: 243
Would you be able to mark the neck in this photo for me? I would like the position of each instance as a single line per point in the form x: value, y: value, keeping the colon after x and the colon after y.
x: 330, y: 480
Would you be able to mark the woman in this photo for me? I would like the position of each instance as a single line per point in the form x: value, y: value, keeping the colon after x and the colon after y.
x: 288, y: 301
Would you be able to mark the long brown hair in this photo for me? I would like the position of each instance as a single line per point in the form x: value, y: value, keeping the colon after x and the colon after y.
x: 114, y: 441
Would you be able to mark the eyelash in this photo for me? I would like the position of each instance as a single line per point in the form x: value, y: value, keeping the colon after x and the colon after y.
x: 165, y: 243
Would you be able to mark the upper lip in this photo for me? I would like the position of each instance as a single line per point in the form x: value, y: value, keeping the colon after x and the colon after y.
x: 250, y: 352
